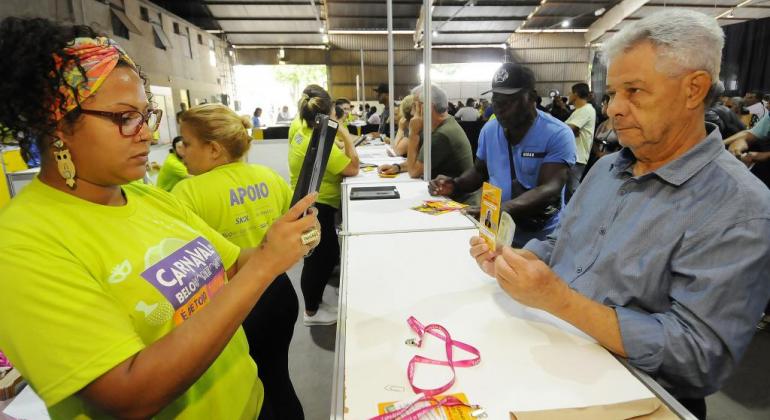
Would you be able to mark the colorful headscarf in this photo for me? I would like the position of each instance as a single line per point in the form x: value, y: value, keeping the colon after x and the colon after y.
x: 98, y: 57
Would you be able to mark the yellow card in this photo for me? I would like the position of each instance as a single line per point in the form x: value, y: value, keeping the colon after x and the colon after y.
x: 491, y: 198
x: 450, y: 413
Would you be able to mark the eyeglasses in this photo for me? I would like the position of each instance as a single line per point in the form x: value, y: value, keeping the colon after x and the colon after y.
x: 130, y: 122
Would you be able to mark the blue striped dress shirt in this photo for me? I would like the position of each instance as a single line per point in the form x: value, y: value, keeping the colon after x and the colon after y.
x: 682, y: 254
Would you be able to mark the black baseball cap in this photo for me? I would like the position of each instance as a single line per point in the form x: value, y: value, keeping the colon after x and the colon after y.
x: 511, y: 78
x: 382, y: 88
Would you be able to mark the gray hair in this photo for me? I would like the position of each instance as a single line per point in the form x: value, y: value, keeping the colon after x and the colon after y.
x: 686, y: 40
x: 438, y: 97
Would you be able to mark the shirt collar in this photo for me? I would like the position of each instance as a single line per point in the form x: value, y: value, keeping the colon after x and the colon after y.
x: 678, y: 171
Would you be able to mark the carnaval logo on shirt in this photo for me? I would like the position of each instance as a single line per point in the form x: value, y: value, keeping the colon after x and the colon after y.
x: 187, y: 274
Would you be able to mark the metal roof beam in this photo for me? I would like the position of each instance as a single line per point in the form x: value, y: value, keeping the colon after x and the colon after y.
x: 612, y: 18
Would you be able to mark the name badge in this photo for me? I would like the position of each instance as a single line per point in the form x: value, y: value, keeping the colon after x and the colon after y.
x: 533, y: 154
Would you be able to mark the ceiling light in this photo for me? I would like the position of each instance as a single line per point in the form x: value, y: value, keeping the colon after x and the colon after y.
x: 435, y: 34
x: 744, y: 3
x: 731, y: 14
x: 321, y: 29
x: 599, y: 12
x: 565, y: 24
x: 472, y: 3
x: 369, y: 32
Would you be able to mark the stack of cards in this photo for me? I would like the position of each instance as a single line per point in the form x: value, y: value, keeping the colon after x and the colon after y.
x: 436, y: 207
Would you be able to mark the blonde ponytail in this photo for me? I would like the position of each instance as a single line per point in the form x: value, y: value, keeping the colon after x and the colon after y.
x: 216, y: 122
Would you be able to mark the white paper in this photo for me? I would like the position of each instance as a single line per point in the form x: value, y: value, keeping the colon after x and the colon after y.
x: 27, y: 406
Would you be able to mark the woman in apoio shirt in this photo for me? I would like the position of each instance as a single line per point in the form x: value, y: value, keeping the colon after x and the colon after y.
x: 241, y: 201
x: 118, y: 301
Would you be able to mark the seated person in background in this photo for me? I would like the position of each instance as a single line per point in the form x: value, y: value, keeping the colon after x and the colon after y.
x: 525, y: 152
x: 663, y: 254
x: 559, y: 109
x: 754, y: 105
x: 468, y: 112
x: 731, y: 123
x: 283, y: 117
x: 383, y: 97
x: 374, y: 118
x: 756, y: 138
x: 173, y: 169
x: 401, y: 141
x: 451, y: 153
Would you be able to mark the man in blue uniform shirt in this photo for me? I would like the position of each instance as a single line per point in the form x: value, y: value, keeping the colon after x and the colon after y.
x: 662, y: 255
x: 525, y: 152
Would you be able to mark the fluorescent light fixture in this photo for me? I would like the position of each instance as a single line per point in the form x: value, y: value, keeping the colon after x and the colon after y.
x: 369, y: 32
x: 215, y: 31
x: 565, y: 24
x: 725, y: 13
x: 743, y: 3
x: 435, y: 33
x: 599, y: 12
x: 272, y: 47
x: 470, y: 46
x: 537, y: 31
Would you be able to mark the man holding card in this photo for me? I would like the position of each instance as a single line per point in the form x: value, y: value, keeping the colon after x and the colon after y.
x: 663, y: 256
x: 525, y: 152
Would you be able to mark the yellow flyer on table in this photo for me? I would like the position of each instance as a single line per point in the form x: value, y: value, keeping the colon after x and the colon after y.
x: 447, y: 413
x: 491, y: 198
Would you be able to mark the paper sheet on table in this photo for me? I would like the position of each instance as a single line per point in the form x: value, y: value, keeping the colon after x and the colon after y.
x: 646, y: 409
x: 27, y: 405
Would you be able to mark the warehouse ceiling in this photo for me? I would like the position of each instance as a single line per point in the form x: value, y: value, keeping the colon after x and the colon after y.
x: 263, y: 23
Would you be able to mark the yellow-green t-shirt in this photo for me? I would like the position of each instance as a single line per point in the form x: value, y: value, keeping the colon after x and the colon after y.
x: 299, y: 137
x: 87, y: 286
x: 239, y: 200
x: 172, y: 171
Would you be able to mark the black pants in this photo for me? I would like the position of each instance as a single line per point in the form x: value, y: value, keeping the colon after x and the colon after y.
x: 696, y: 406
x: 269, y: 328
x: 320, y: 264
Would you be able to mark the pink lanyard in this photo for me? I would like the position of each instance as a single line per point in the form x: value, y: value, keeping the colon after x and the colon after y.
x: 441, y: 333
x: 406, y: 413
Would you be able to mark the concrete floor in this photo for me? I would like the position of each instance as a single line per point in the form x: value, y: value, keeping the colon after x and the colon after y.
x: 746, y: 396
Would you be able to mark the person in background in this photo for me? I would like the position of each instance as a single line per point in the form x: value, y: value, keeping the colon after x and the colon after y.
x: 105, y: 324
x: 663, y: 255
x: 451, y: 109
x: 605, y: 138
x: 451, y: 153
x: 731, y: 123
x: 173, y: 169
x: 582, y: 122
x: 367, y: 111
x: 383, y: 97
x: 374, y: 119
x: 401, y: 142
x: 319, y: 265
x: 754, y: 105
x: 525, y: 152
x: 241, y: 201
x: 284, y: 117
x: 559, y: 109
x: 468, y: 112
x: 255, y: 119
x: 346, y: 106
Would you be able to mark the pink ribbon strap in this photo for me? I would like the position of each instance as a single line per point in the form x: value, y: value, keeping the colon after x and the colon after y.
x: 441, y: 333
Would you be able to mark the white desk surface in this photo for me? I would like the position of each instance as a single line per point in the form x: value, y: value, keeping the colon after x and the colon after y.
x: 529, y: 359
x: 396, y: 215
x: 372, y: 177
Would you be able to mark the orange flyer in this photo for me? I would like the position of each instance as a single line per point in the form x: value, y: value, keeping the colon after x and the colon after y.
x: 491, y: 197
x: 450, y: 413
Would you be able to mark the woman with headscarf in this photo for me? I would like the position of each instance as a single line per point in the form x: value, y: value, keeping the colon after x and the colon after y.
x: 118, y: 301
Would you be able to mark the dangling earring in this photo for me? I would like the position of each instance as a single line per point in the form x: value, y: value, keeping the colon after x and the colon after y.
x: 64, y: 163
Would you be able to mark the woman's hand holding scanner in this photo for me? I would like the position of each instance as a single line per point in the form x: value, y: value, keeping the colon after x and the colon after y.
x: 283, y: 245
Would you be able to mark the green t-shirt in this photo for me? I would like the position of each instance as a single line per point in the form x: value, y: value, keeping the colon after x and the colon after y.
x: 87, y: 286
x: 329, y: 192
x: 172, y: 171
x: 239, y: 200
x: 450, y: 152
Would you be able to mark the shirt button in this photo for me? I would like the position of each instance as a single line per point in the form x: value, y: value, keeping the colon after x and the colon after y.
x: 579, y: 270
x: 602, y: 231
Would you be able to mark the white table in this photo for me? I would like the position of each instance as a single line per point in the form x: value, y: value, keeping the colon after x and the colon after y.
x: 530, y: 360
x: 396, y: 215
